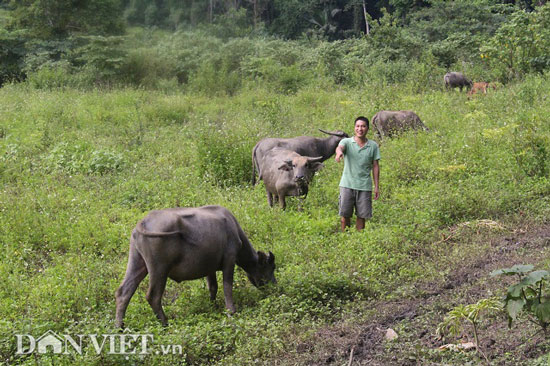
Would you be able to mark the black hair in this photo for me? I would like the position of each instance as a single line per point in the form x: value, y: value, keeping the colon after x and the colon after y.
x: 364, y: 119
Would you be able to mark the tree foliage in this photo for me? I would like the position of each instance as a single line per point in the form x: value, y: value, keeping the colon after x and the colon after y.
x: 391, y: 40
x: 61, y: 18
x: 521, y: 45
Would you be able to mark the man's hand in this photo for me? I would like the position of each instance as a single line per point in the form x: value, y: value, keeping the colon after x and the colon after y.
x: 376, y: 193
x: 339, y: 154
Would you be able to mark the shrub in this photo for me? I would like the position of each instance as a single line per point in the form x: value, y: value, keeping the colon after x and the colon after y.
x: 215, y: 79
x: 224, y: 157
x: 528, y: 295
x: 171, y: 110
x: 50, y: 77
x: 521, y: 45
x: 101, y: 162
x: 531, y: 148
x: 453, y: 321
x: 80, y: 158
x: 102, y: 57
x: 234, y: 23
x: 145, y: 67
x: 388, y: 72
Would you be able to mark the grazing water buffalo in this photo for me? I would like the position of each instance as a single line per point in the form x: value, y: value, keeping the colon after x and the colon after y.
x: 480, y: 87
x: 287, y: 173
x: 186, y: 244
x: 303, y: 145
x: 389, y: 123
x: 456, y: 80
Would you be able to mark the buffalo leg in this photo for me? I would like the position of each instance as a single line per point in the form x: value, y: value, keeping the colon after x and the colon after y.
x: 282, y: 202
x: 157, y: 284
x: 269, y: 198
x: 228, y: 271
x: 212, y: 285
x: 135, y: 273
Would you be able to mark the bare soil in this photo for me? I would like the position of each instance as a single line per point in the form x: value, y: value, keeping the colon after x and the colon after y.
x: 416, y: 315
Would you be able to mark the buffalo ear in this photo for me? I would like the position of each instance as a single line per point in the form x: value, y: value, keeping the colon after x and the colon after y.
x: 262, y: 257
x: 271, y: 258
x: 317, y: 166
x: 287, y: 165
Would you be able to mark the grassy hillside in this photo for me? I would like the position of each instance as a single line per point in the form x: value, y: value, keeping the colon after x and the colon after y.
x: 79, y: 169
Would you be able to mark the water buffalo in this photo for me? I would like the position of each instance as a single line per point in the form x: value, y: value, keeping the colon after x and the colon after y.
x: 456, y: 80
x: 186, y: 244
x: 287, y: 173
x: 480, y: 87
x: 303, y: 145
x: 389, y: 123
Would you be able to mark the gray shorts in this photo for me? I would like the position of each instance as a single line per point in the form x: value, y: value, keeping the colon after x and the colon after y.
x: 360, y: 200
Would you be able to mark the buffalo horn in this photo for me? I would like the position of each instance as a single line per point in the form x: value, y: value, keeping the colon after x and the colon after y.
x: 331, y: 133
x: 315, y: 159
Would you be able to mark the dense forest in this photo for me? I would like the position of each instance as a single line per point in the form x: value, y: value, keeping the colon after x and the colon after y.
x: 97, y: 42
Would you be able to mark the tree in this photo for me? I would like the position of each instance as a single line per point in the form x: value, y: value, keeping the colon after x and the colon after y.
x: 521, y: 45
x: 61, y: 18
x: 454, y: 30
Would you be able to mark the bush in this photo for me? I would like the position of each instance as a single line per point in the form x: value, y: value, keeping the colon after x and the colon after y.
x: 521, y: 45
x: 81, y: 158
x: 384, y: 72
x: 224, y: 157
x: 168, y: 110
x: 50, y: 77
x: 145, y: 67
x: 100, y: 57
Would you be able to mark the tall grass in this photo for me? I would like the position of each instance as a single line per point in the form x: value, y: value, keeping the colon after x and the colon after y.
x: 80, y: 168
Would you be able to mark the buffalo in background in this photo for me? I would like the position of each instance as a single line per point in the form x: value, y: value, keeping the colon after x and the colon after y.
x: 390, y: 123
x: 456, y: 80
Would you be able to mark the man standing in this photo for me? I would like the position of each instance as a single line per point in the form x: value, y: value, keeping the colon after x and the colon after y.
x: 361, y: 156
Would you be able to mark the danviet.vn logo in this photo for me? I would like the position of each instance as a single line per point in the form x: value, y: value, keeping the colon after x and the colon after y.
x: 114, y: 344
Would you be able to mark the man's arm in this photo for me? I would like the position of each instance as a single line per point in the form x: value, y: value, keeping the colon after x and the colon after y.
x: 340, y: 150
x: 376, y: 175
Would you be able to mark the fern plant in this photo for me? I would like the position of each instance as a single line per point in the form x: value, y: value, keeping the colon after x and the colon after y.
x: 454, y: 320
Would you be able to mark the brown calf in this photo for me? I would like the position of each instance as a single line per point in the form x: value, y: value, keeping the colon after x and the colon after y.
x: 478, y: 87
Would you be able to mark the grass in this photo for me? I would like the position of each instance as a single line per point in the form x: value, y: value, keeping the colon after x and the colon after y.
x: 79, y: 169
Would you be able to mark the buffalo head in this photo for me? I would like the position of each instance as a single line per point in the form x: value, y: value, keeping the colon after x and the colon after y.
x: 263, y: 271
x: 303, y: 167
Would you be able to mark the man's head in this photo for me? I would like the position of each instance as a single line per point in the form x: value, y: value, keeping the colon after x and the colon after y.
x: 361, y: 126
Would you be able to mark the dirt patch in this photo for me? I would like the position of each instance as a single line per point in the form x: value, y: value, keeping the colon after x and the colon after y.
x: 415, y: 317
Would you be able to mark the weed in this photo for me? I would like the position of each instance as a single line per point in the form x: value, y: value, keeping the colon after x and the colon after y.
x: 528, y: 295
x: 452, y: 324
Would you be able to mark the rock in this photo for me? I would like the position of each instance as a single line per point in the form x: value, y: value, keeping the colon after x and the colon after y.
x: 391, y: 335
x: 458, y: 347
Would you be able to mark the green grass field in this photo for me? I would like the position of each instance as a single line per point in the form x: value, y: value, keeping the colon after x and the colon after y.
x: 79, y: 169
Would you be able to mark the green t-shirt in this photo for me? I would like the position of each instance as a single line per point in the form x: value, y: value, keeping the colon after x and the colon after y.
x: 358, y: 164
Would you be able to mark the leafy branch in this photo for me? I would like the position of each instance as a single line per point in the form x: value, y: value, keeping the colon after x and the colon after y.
x: 528, y: 295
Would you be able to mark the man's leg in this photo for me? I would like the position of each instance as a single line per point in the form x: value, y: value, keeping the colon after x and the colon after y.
x: 364, y: 208
x: 346, y: 202
x: 345, y: 222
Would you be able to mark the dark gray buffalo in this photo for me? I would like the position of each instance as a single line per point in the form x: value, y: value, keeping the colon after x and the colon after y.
x: 287, y: 173
x: 456, y: 80
x: 303, y: 145
x: 186, y: 244
x: 390, y: 123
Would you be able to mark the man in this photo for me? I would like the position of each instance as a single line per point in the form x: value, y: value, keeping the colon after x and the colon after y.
x: 361, y: 156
